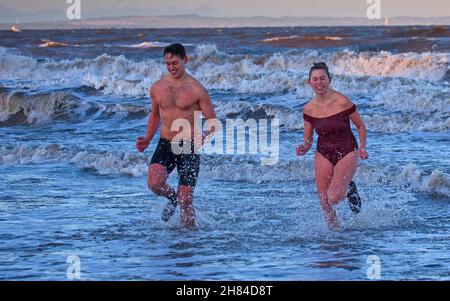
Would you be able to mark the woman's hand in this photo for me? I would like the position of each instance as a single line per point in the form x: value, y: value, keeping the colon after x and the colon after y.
x: 363, y: 154
x: 301, y: 150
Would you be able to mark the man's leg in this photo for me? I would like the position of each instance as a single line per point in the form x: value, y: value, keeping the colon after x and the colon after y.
x: 188, y: 169
x: 157, y: 176
x: 156, y: 181
x: 162, y: 164
x: 185, y: 198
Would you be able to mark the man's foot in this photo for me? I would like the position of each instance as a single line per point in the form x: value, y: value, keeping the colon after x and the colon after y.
x: 353, y: 198
x: 169, y: 210
x: 188, y: 216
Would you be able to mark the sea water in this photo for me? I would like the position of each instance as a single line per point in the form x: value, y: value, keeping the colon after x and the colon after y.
x: 73, y: 187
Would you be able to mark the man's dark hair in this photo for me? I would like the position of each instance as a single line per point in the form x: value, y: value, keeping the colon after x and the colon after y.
x: 175, y: 49
x: 319, y: 66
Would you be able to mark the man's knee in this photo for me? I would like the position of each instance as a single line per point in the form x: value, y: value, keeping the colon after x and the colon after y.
x: 156, y: 180
x: 156, y: 184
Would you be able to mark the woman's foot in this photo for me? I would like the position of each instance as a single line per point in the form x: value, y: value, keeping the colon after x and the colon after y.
x: 353, y: 198
x: 334, y: 225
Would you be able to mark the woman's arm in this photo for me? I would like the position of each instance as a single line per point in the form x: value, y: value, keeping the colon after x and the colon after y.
x: 362, y: 132
x: 307, y: 139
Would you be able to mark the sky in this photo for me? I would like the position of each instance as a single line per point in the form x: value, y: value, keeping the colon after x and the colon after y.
x: 55, y: 9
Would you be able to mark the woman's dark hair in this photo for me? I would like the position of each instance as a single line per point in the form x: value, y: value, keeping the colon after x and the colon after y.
x: 319, y: 66
x: 176, y: 49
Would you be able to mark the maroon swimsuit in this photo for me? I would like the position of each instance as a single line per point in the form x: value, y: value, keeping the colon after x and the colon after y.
x: 336, y: 138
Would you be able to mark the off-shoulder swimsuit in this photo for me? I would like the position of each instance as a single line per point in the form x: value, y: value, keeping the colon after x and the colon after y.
x: 336, y: 138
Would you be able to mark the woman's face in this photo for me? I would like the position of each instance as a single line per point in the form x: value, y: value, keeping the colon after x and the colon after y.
x: 319, y: 81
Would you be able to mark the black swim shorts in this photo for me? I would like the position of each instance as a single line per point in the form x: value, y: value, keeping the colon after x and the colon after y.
x: 187, y: 163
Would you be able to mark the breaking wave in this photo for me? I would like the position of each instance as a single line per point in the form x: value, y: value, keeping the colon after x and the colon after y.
x: 268, y: 73
x: 416, y: 113
x: 240, y: 168
x: 311, y: 41
x: 20, y: 108
x: 154, y: 44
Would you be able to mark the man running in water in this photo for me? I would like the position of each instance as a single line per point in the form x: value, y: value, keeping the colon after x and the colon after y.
x: 176, y: 97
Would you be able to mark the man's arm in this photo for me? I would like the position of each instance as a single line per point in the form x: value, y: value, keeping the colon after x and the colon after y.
x: 208, y: 111
x: 154, y: 118
x: 152, y: 125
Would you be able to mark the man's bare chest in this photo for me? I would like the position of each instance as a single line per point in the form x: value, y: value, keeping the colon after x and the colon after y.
x: 180, y: 98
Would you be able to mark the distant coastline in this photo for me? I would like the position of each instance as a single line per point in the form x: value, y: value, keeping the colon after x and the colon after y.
x: 195, y: 21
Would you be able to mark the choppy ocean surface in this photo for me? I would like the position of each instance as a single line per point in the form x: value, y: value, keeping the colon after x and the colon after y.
x: 72, y: 183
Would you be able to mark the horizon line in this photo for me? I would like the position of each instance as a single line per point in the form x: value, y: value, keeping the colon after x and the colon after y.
x: 235, y: 17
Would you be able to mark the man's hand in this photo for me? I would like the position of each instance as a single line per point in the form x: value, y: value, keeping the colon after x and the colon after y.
x: 142, y: 143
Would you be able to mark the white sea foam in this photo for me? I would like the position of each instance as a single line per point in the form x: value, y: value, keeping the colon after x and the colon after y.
x: 107, y: 163
x: 428, y: 66
x: 24, y: 154
x: 416, y: 114
x: 406, y: 87
x: 437, y: 182
x: 233, y: 168
x: 281, y: 38
x: 18, y: 107
x: 101, y: 162
x: 289, y: 119
x: 269, y: 73
x: 292, y: 119
x: 112, y: 74
x: 154, y: 44
x: 406, y: 123
x: 301, y: 38
x: 47, y: 43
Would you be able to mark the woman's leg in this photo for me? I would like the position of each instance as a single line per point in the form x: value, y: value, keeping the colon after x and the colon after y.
x: 343, y: 173
x: 324, y: 174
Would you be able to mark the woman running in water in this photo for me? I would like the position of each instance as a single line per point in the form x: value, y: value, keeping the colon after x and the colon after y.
x: 329, y: 113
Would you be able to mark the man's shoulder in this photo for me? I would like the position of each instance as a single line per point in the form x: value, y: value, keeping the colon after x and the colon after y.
x: 194, y: 84
x: 161, y: 83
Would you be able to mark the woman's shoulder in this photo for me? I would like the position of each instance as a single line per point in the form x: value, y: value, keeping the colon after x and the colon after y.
x: 308, y: 108
x: 343, y: 101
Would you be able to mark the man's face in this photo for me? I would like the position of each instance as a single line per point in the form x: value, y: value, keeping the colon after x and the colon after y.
x: 175, y: 65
